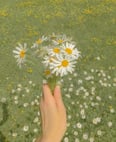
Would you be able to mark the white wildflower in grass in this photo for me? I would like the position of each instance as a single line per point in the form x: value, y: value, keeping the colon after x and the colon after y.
x: 85, y: 136
x: 25, y: 128
x: 91, y: 139
x: 3, y: 100
x: 76, y: 140
x: 79, y: 125
x: 109, y: 124
x: 99, y: 132
x: 14, y: 134
x: 66, y: 139
x: 20, y: 54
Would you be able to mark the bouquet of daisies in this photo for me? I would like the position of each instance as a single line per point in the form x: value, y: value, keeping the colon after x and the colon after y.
x: 58, y: 55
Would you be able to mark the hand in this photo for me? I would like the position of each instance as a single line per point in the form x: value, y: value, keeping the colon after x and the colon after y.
x: 53, y: 114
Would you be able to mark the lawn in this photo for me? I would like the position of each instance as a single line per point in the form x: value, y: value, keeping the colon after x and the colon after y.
x: 89, y: 94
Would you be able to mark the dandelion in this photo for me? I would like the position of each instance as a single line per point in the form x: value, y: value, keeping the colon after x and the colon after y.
x: 20, y: 54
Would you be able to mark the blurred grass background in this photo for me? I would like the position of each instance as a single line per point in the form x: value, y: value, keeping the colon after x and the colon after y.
x: 90, y: 23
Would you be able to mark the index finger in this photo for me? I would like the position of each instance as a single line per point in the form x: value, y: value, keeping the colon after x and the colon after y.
x: 47, y: 94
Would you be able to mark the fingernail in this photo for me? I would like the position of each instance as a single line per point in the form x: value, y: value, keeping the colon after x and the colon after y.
x: 59, y: 83
x: 44, y: 81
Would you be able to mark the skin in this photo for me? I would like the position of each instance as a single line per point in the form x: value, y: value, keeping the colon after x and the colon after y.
x: 53, y: 115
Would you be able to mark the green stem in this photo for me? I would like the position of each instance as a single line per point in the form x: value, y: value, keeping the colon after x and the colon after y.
x: 52, y: 82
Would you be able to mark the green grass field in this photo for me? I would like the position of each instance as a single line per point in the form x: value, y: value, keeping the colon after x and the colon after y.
x: 89, y: 94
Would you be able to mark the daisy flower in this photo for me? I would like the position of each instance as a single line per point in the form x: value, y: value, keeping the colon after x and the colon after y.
x: 70, y: 50
x: 54, y: 51
x: 20, y: 53
x: 60, y: 39
x: 48, y: 60
x: 47, y: 73
x: 39, y: 41
x: 62, y: 65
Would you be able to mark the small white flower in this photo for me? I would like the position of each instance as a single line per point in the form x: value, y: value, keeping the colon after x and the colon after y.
x: 27, y: 90
x: 36, y: 120
x: 77, y: 140
x: 98, y: 98
x: 99, y: 132
x: 14, y: 134
x: 13, y: 91
x: 16, y: 102
x: 95, y: 121
x: 112, y: 110
x: 110, y: 124
x: 35, y: 130
x: 20, y: 54
x: 30, y: 82
x: 25, y: 104
x: 66, y: 139
x: 75, y: 74
x: 82, y: 112
x: 15, y: 97
x: 79, y: 125
x: 19, y: 89
x: 34, y: 140
x: 91, y: 139
x: 3, y: 100
x: 75, y: 133
x: 98, y: 58
x: 98, y: 119
x: 80, y: 81
x: 25, y: 128
x: 85, y: 136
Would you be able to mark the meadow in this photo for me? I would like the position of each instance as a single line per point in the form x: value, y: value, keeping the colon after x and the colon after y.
x: 89, y: 94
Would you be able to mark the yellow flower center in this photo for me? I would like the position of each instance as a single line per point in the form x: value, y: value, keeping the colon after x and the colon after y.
x: 60, y: 41
x: 47, y: 72
x: 39, y: 41
x: 68, y: 50
x: 64, y: 63
x: 56, y: 50
x: 22, y: 53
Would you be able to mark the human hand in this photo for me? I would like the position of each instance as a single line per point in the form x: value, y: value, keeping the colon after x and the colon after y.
x: 53, y: 114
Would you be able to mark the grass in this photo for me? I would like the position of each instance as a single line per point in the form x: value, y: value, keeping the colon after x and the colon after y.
x: 92, y: 89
